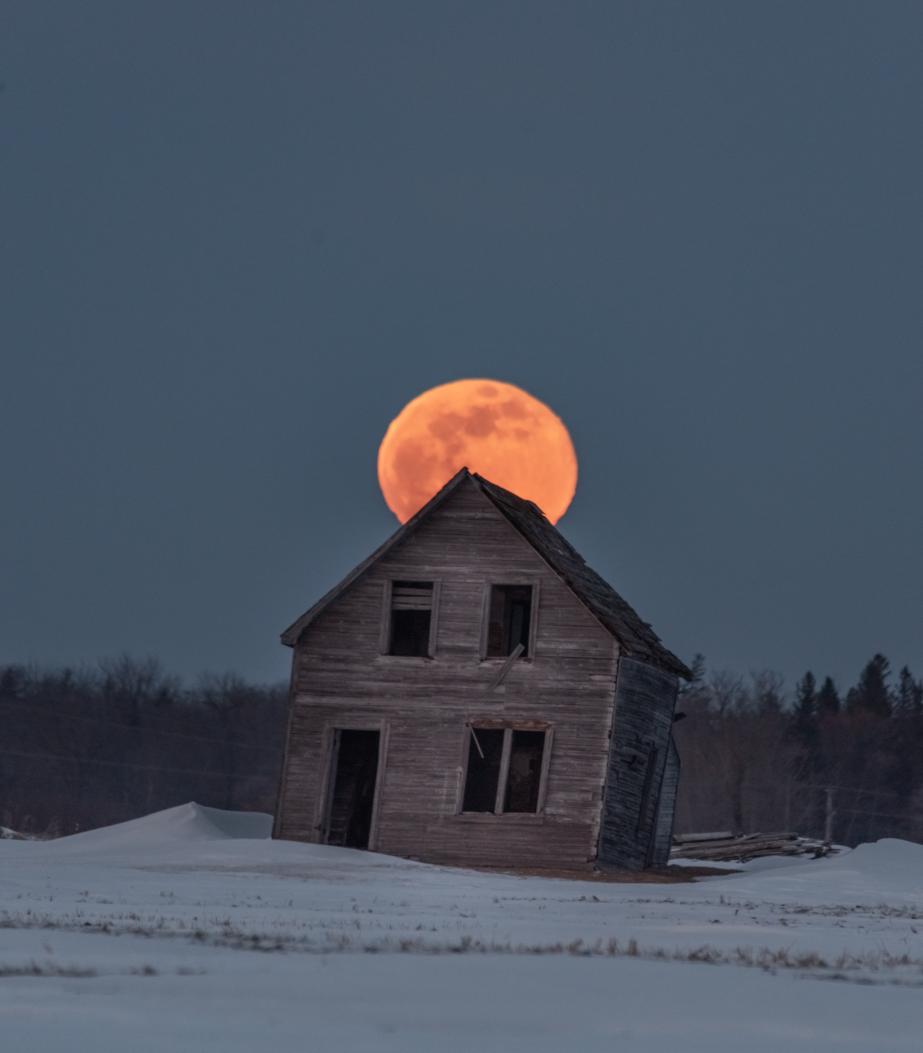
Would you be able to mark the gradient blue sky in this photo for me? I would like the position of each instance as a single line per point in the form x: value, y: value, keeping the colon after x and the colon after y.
x: 238, y: 237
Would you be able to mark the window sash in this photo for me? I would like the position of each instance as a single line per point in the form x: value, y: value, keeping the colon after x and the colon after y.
x: 503, y: 773
x: 411, y: 597
x: 394, y: 597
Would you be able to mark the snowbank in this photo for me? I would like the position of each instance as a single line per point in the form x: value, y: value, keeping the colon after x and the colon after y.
x: 889, y: 856
x: 183, y: 824
x: 195, y: 836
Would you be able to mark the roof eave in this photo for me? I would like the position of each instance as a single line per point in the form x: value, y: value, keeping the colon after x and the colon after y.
x: 291, y: 635
x: 665, y: 660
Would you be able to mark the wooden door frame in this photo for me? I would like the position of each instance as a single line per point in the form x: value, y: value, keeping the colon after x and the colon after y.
x: 331, y: 754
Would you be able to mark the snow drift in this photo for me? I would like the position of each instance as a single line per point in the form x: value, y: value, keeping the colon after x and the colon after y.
x: 180, y: 825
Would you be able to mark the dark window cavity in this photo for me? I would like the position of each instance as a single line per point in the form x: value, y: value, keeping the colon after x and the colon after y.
x: 505, y: 768
x: 485, y: 752
x: 509, y: 620
x: 411, y: 618
x: 525, y: 771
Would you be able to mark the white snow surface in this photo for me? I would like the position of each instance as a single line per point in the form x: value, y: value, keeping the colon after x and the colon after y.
x: 191, y: 930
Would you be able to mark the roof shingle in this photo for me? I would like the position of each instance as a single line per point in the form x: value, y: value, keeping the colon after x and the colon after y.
x: 635, y: 636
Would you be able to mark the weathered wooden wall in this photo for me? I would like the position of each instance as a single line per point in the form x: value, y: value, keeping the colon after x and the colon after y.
x: 340, y: 679
x: 666, y: 807
x: 642, y: 723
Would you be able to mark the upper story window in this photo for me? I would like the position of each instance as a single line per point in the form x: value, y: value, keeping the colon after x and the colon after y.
x: 509, y: 620
x: 410, y: 621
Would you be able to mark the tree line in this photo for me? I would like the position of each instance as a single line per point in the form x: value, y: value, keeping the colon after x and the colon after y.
x: 816, y: 760
x: 82, y: 748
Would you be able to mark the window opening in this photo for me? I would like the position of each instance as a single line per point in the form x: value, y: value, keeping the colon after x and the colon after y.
x: 485, y: 753
x: 411, y: 618
x: 525, y: 771
x: 509, y: 619
x: 512, y: 755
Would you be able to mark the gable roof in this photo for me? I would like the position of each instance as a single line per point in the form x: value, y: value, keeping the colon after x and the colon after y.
x: 291, y: 634
x: 635, y: 637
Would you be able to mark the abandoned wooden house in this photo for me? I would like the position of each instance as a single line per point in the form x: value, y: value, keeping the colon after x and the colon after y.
x: 473, y: 693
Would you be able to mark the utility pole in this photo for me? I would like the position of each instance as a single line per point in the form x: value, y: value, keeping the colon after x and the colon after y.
x: 829, y: 815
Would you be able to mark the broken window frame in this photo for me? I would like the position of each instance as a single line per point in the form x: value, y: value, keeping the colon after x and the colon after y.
x: 532, y: 637
x: 508, y: 727
x: 387, y: 611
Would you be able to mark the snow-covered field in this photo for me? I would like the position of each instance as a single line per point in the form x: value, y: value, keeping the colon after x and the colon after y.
x: 190, y: 930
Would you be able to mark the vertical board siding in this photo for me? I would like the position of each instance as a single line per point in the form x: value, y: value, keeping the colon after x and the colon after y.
x: 642, y: 724
x: 341, y: 679
x: 663, y: 838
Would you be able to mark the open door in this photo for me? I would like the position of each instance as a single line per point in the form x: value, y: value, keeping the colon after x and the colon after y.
x: 351, y: 804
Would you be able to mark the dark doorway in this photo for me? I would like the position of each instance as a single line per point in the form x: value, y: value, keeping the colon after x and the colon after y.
x: 352, y: 797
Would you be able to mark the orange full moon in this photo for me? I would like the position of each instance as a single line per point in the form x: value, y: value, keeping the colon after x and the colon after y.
x: 496, y: 429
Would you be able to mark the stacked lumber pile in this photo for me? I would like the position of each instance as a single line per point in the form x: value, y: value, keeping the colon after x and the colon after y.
x: 724, y: 847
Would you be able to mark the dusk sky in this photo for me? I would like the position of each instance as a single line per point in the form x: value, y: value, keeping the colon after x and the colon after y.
x: 238, y: 237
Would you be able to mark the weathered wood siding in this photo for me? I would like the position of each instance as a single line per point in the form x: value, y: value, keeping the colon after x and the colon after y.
x: 666, y: 807
x: 642, y: 723
x: 340, y: 679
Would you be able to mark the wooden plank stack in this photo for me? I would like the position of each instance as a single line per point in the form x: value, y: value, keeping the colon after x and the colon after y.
x: 724, y: 847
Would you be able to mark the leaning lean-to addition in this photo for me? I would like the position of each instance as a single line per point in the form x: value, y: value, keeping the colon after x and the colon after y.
x: 474, y: 693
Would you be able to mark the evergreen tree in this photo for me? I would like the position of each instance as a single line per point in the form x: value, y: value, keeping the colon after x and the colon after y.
x: 693, y: 694
x: 804, y: 721
x: 827, y: 703
x: 696, y: 682
x: 12, y: 678
x: 909, y: 702
x: 806, y: 695
x: 872, y: 694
